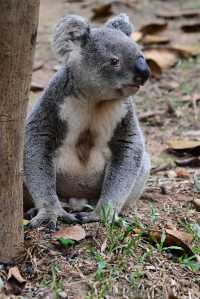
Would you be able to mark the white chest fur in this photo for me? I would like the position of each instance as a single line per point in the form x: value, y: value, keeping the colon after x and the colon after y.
x: 101, y: 120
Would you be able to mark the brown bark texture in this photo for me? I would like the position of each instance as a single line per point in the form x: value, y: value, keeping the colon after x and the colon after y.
x: 18, y: 29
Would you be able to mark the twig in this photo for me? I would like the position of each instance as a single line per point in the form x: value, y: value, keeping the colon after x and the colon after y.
x: 148, y: 114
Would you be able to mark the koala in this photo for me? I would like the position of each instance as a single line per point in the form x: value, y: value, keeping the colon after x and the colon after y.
x: 83, y: 142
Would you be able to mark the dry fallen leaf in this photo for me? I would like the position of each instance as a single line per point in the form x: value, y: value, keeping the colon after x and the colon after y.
x: 171, y: 174
x: 160, y: 59
x: 173, y: 238
x: 38, y: 64
x: 102, y: 11
x: 192, y: 162
x: 182, y: 173
x: 153, y: 27
x: 136, y: 36
x: 196, y: 202
x: 15, y: 282
x: 36, y: 87
x: 40, y: 80
x: 186, y: 50
x: 151, y: 39
x: 14, y: 272
x: 190, y: 13
x: 182, y: 236
x: 191, y: 28
x: 184, y: 145
x: 75, y: 233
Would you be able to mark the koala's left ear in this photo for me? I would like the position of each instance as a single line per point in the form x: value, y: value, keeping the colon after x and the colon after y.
x: 71, y: 33
x: 120, y: 22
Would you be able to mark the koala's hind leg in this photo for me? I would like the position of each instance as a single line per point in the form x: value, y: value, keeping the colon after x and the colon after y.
x: 139, y: 185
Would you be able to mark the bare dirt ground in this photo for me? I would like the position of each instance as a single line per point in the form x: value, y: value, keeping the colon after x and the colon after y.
x: 128, y: 260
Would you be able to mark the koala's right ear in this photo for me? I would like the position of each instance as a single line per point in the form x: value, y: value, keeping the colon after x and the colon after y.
x: 120, y: 22
x: 70, y: 34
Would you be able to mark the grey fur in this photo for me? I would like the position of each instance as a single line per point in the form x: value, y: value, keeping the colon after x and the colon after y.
x: 121, y: 22
x: 87, y: 80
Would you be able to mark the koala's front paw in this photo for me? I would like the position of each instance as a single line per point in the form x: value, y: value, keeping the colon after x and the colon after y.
x: 85, y: 217
x: 49, y: 217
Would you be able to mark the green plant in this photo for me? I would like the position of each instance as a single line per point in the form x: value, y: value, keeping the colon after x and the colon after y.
x: 53, y: 281
x: 154, y: 214
x: 135, y: 276
x: 189, y: 262
x: 161, y: 248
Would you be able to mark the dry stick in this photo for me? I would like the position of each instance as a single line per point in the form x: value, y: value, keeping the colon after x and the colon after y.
x: 148, y: 114
x: 162, y: 167
x: 192, y: 161
x: 194, y: 104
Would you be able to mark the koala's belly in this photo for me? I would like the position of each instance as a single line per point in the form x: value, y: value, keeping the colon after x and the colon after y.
x: 78, y: 178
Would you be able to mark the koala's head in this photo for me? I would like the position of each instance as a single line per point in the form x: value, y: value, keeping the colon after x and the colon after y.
x: 106, y: 63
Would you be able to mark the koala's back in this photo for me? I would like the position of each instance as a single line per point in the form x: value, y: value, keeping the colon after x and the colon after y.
x: 81, y: 159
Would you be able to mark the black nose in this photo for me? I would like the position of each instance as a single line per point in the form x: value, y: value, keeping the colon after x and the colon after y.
x: 141, y: 70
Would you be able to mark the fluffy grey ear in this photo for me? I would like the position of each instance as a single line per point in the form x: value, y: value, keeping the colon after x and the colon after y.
x: 70, y: 34
x: 121, y: 22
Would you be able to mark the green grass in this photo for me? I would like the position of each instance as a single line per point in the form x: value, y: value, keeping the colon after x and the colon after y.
x: 53, y: 282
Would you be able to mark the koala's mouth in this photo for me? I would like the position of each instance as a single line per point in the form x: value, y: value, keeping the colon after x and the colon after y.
x: 135, y: 87
x: 128, y: 89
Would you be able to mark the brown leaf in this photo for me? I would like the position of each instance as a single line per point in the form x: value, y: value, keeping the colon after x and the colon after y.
x: 136, y: 36
x: 182, y: 236
x: 153, y: 27
x: 151, y: 39
x: 75, y: 233
x: 192, y: 162
x: 184, y: 145
x: 36, y: 87
x: 186, y: 50
x: 196, y: 202
x: 182, y: 173
x: 171, y: 174
x: 15, y: 282
x: 156, y: 69
x: 38, y: 64
x: 160, y: 59
x: 190, y: 13
x: 173, y: 238
x: 14, y: 272
x: 40, y: 80
x: 191, y: 28
x: 102, y: 11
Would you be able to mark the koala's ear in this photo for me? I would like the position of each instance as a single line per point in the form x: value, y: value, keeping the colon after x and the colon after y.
x: 71, y: 33
x: 120, y: 22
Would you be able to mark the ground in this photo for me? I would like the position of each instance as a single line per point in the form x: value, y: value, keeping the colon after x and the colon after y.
x: 123, y: 260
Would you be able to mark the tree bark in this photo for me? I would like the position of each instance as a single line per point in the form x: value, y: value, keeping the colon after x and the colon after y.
x: 18, y: 29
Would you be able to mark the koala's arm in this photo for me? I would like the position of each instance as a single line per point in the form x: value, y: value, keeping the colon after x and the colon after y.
x: 128, y: 151
x: 43, y: 133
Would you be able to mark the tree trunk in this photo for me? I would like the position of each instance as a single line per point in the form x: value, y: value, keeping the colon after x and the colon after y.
x: 18, y: 29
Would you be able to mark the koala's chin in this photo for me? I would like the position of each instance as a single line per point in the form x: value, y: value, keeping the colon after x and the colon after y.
x: 128, y: 90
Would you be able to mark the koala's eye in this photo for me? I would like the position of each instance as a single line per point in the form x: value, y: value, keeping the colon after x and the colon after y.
x: 114, y: 61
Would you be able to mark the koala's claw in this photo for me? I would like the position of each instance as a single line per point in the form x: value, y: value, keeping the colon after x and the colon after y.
x: 49, y: 218
x: 86, y: 217
x: 31, y: 213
